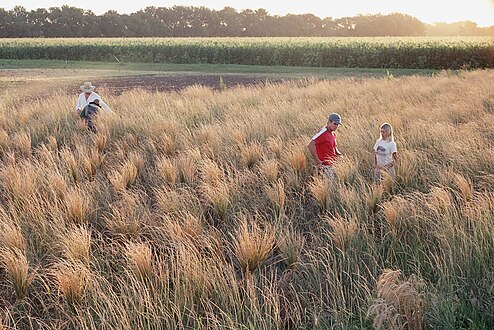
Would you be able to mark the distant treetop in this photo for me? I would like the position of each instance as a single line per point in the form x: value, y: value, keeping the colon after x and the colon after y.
x: 185, y: 21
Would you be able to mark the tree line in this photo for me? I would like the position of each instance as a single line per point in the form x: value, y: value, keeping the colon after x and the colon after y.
x: 187, y: 21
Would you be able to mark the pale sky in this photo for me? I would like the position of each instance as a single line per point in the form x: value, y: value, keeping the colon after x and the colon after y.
x: 428, y: 11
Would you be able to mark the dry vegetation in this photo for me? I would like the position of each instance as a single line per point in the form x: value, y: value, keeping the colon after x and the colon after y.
x: 202, y: 209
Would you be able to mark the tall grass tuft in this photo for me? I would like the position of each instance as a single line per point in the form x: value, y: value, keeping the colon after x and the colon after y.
x: 187, y: 166
x: 218, y: 196
x: 73, y: 280
x: 125, y: 218
x: 296, y: 160
x: 76, y: 245
x: 324, y: 191
x: 77, y: 206
x: 21, y: 143
x: 251, y: 154
x: 140, y: 259
x: 167, y: 170
x: 277, y: 196
x: 291, y: 245
x: 269, y: 170
x: 252, y: 245
x: 399, y: 304
x: 126, y: 176
x: 343, y: 231
x: 15, y: 263
x: 11, y: 236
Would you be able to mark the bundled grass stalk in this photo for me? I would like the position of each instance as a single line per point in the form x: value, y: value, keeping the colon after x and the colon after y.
x: 269, y: 169
x: 343, y: 231
x: 277, y: 196
x: 72, y: 279
x: 218, y: 196
x: 76, y: 245
x: 140, y: 259
x: 17, y: 267
x: 167, y: 170
x: 11, y: 236
x: 324, y: 192
x: 399, y: 305
x: 252, y: 246
x: 77, y: 206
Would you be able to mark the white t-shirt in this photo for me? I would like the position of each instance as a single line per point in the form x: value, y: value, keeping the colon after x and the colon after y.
x: 384, y: 151
x: 82, y: 102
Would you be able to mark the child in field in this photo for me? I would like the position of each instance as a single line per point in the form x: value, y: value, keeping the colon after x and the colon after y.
x: 323, y: 147
x: 385, y: 156
x: 89, y: 112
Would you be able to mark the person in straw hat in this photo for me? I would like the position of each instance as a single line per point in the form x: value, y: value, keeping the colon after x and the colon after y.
x: 87, y: 96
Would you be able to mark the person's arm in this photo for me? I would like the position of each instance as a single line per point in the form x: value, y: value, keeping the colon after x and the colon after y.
x: 104, y: 105
x: 395, y: 158
x: 312, y: 148
x: 337, y: 152
x: 95, y: 96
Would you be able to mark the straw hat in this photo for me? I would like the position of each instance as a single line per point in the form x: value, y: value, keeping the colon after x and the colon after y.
x: 87, y: 87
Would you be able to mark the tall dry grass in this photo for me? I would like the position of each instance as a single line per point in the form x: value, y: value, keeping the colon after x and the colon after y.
x: 203, y: 209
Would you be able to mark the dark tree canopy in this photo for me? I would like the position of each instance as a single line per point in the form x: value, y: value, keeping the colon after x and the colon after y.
x: 185, y: 21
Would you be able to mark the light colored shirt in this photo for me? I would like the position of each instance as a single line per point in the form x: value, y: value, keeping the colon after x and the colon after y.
x: 82, y: 102
x: 384, y: 151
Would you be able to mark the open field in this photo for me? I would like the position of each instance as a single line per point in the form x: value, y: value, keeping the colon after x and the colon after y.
x: 201, y: 208
x: 32, y: 78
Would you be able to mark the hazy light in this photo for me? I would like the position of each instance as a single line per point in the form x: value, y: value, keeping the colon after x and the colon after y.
x: 428, y: 11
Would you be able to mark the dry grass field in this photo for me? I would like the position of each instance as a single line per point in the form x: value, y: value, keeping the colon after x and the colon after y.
x: 201, y: 209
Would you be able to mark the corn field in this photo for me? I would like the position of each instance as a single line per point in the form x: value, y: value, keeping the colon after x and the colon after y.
x: 409, y: 53
x: 203, y: 210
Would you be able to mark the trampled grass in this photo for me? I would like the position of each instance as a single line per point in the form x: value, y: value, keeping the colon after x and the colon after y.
x: 203, y: 209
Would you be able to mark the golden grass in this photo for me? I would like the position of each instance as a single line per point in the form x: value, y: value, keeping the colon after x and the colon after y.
x: 72, y: 279
x: 218, y: 196
x: 252, y: 245
x: 140, y: 259
x: 11, y: 236
x: 291, y: 245
x: 77, y: 206
x: 126, y: 176
x: 277, y: 197
x: 76, y: 245
x: 269, y: 170
x: 15, y: 263
x: 323, y: 190
x: 399, y: 304
x: 343, y: 231
x: 167, y: 170
x: 125, y: 218
x: 203, y: 209
x: 251, y: 154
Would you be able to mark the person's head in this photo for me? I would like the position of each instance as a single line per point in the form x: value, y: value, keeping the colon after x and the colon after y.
x: 87, y: 88
x: 334, y: 120
x: 386, y: 131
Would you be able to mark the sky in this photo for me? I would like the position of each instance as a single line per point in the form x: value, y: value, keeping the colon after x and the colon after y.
x: 428, y: 11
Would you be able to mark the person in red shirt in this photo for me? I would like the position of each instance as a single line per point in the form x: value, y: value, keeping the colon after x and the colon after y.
x: 323, y: 146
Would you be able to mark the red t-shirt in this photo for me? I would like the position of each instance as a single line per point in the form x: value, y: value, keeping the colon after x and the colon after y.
x: 325, y: 142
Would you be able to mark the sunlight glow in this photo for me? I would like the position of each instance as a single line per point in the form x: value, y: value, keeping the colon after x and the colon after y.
x: 478, y: 11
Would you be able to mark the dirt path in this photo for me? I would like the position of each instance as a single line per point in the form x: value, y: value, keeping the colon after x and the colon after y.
x: 30, y: 83
x: 166, y: 83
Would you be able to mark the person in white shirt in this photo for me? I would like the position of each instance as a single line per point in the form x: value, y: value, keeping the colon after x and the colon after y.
x: 385, y: 156
x: 88, y: 95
